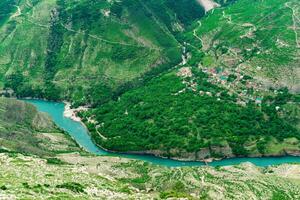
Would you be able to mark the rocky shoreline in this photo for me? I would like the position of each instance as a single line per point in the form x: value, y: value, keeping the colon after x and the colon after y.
x: 207, y: 160
x: 72, y: 112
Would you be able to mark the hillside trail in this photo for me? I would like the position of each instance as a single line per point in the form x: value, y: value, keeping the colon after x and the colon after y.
x: 28, y: 4
x: 92, y: 36
x: 105, y: 40
x: 294, y: 18
x: 16, y: 14
x: 195, y: 33
x: 38, y: 24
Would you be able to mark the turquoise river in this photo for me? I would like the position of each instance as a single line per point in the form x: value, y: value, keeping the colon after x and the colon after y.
x: 81, y: 135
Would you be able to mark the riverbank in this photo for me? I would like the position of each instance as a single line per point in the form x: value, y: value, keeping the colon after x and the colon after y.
x: 160, y: 154
x: 72, y: 112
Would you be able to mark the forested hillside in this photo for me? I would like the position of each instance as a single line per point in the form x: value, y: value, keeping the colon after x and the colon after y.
x: 87, y: 51
x: 189, y: 118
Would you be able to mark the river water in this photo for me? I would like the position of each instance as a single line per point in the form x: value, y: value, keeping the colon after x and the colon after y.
x: 82, y: 137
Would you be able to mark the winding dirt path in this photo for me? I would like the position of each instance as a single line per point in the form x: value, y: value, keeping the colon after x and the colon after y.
x: 294, y: 18
x: 104, y: 40
x: 195, y: 33
x: 16, y: 14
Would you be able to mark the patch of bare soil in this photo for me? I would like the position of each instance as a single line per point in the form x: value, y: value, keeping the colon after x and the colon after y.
x: 208, y: 4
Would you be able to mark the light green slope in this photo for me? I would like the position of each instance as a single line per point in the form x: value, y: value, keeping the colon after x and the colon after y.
x: 259, y: 37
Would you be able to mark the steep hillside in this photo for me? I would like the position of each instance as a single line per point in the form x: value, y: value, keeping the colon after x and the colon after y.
x: 259, y: 38
x: 23, y: 129
x: 113, y: 178
x: 86, y: 50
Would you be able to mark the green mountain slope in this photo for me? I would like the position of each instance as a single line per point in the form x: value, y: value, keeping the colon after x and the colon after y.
x: 23, y: 129
x: 86, y: 50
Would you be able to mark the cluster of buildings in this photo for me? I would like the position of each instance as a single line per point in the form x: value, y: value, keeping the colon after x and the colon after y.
x: 244, y: 87
x: 241, y: 86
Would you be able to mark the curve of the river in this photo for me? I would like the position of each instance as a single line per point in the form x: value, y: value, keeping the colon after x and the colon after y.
x: 82, y: 137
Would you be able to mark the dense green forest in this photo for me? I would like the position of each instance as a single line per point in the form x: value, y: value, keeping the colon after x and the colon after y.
x: 186, y: 117
x: 158, y: 117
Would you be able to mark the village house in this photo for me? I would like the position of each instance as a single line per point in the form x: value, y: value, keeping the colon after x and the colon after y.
x: 185, y: 72
x: 258, y: 100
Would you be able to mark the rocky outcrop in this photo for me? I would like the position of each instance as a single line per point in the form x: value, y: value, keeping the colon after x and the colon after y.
x: 208, y: 154
x: 204, y: 154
